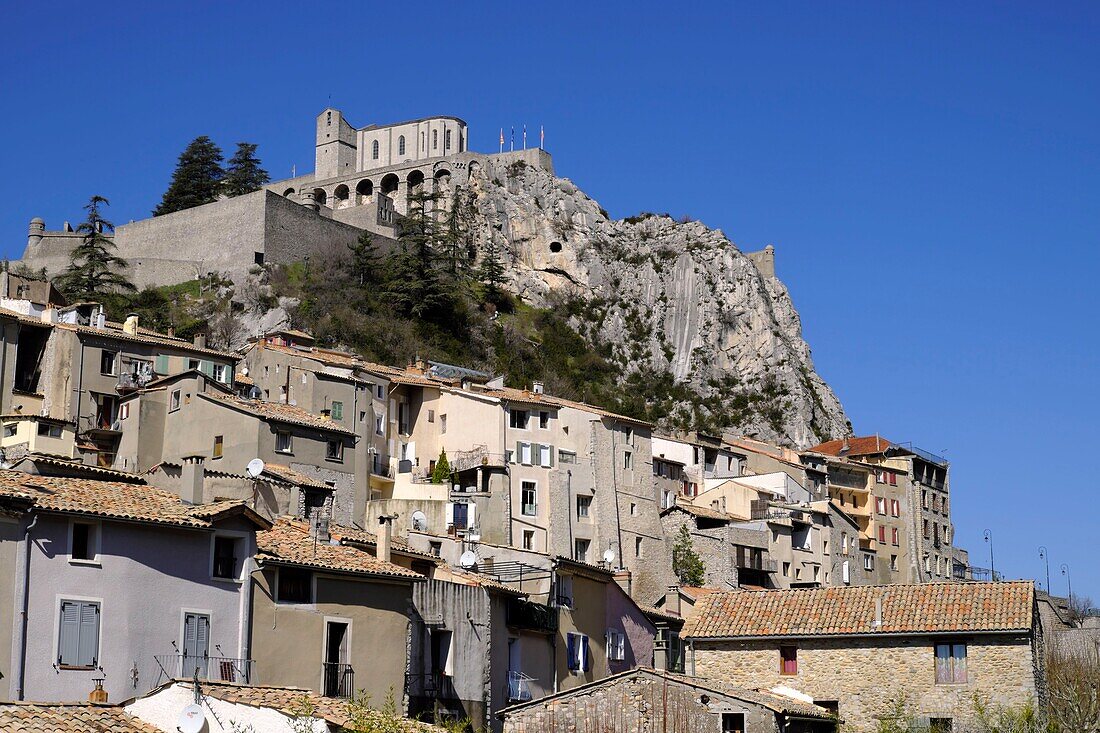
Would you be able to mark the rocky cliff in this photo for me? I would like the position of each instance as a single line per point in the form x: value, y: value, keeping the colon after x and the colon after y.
x: 671, y: 300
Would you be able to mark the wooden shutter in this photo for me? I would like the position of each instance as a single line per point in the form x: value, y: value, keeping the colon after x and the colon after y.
x: 207, y: 367
x: 161, y: 366
x: 68, y: 647
x: 584, y: 653
x: 571, y: 651
x: 89, y: 635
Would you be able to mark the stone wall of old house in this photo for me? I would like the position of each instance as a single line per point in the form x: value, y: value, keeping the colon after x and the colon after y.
x: 636, y: 704
x: 866, y: 674
x: 711, y: 545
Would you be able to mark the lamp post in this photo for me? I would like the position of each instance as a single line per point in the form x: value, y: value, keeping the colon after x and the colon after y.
x: 988, y: 534
x: 1069, y: 581
x: 1045, y: 557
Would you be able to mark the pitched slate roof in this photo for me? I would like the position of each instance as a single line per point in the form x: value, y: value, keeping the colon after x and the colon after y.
x: 116, y: 500
x: 289, y: 543
x: 80, y: 717
x: 845, y: 611
x: 278, y: 412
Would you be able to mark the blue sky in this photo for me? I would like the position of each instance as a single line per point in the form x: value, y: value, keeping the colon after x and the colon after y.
x: 928, y: 172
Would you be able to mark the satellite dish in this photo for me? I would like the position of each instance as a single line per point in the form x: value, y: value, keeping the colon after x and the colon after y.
x: 609, y: 556
x: 468, y: 559
x: 255, y: 467
x: 191, y: 720
x: 419, y: 521
x: 244, y: 371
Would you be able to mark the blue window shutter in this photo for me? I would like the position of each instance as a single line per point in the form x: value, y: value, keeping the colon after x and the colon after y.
x: 68, y: 646
x: 161, y: 366
x: 570, y: 653
x: 89, y: 634
x: 584, y: 653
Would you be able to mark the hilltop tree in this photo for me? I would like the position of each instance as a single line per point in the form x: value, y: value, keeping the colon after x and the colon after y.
x: 457, y: 234
x: 442, y: 472
x: 93, y: 267
x: 365, y: 259
x: 197, y: 179
x: 414, y: 284
x: 686, y: 563
x: 491, y: 272
x: 243, y: 174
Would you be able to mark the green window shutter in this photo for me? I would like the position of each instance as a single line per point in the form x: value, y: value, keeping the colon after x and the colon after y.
x: 161, y: 366
x: 337, y: 410
x: 206, y: 367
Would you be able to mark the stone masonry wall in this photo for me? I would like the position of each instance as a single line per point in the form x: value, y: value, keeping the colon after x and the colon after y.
x: 865, y: 674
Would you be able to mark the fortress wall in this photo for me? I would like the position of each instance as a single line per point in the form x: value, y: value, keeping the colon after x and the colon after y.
x: 534, y: 157
x: 291, y: 231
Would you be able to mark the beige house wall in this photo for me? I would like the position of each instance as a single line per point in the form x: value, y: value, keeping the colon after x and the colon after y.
x: 865, y: 674
x: 10, y: 536
x: 588, y: 616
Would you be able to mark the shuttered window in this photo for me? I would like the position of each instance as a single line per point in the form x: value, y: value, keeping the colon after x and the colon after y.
x: 161, y: 365
x: 78, y: 645
x: 577, y: 652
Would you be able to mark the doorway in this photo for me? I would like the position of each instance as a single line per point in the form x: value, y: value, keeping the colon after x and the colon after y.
x: 338, y: 680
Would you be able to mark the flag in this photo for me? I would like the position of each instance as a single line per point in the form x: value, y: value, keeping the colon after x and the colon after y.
x: 502, y: 139
x: 542, y: 136
x: 525, y: 137
x: 512, y: 141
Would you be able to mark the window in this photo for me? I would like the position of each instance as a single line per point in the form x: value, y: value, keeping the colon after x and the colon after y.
x: 226, y: 556
x: 447, y: 140
x: 584, y: 504
x: 295, y: 585
x: 844, y: 543
x: 525, y: 453
x: 221, y: 373
x: 880, y: 477
x: 78, y: 637
x: 194, y: 364
x: 174, y: 402
x: 788, y: 660
x: 435, y: 139
x: 334, y: 450
x: 564, y: 592
x: 518, y: 419
x: 567, y: 456
x: 616, y: 646
x: 893, y: 479
x: 108, y: 362
x: 337, y: 410
x: 544, y: 419
x: 431, y: 415
x: 47, y: 430
x: 443, y: 424
x: 374, y: 150
x: 924, y: 498
x: 283, y: 442
x: 940, y: 725
x: 435, y: 548
x: 528, y: 498
x: 786, y: 570
x: 628, y: 436
x: 577, y: 652
x: 545, y: 454
x: 219, y: 444
x: 124, y: 411
x: 895, y: 508
x: 528, y: 539
x: 880, y: 505
x: 401, y: 145
x: 580, y: 550
x: 950, y: 664
x: 378, y: 423
x: 894, y: 536
x: 633, y: 509
x: 10, y: 430
x: 637, y: 547
x: 894, y: 562
x: 882, y: 534
x: 84, y: 541
x: 733, y: 723
x: 868, y: 562
x: 628, y: 460
x: 926, y: 531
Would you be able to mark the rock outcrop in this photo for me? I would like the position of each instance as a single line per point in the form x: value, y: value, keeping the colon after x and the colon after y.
x: 674, y: 298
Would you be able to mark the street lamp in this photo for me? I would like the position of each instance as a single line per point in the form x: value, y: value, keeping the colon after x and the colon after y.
x: 1045, y: 557
x: 992, y: 570
x: 1069, y: 581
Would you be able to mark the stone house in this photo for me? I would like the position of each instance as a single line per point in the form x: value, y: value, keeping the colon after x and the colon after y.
x: 706, y: 460
x: 119, y: 582
x: 650, y: 700
x: 732, y: 555
x: 855, y: 649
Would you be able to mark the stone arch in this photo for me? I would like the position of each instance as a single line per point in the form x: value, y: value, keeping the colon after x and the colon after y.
x: 389, y: 184
x: 320, y: 196
x: 443, y: 176
x: 288, y: 193
x: 415, y: 179
x: 341, y: 197
x: 555, y: 247
x: 364, y: 190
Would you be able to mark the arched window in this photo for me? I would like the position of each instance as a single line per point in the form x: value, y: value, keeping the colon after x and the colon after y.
x: 435, y: 139
x: 374, y: 150
x: 401, y: 145
x: 447, y: 140
x: 422, y: 142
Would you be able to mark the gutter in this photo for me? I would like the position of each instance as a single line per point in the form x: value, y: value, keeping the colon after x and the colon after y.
x: 244, y: 624
x: 25, y: 582
x: 872, y: 635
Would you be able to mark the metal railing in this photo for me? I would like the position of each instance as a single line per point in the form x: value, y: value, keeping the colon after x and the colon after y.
x: 205, y: 667
x: 522, y: 614
x: 380, y: 465
x: 519, y: 686
x: 435, y: 685
x: 337, y: 680
x: 964, y: 572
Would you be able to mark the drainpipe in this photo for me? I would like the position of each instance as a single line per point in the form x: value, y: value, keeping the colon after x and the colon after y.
x: 79, y: 387
x: 570, y: 504
x: 615, y: 489
x: 25, y: 581
x: 244, y: 621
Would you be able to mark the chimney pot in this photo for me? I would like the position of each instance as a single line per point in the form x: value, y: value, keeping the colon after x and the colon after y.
x: 200, y: 340
x: 385, y: 537
x: 98, y: 694
x: 191, y: 476
x: 672, y: 601
x: 536, y: 387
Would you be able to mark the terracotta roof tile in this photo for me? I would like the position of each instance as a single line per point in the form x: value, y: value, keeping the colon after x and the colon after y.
x: 289, y: 542
x: 278, y: 412
x: 906, y: 609
x: 295, y: 477
x: 867, y: 445
x: 69, y: 718
x: 114, y: 500
x: 703, y: 512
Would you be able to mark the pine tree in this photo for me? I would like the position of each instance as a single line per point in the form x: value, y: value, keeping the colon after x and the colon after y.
x: 686, y: 563
x: 457, y: 234
x: 442, y: 472
x: 365, y: 259
x: 491, y: 272
x: 93, y: 267
x: 413, y: 284
x: 197, y: 178
x: 243, y: 174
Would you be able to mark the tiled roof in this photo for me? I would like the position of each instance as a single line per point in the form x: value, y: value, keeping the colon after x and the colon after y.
x: 866, y: 445
x: 240, y: 378
x: 701, y: 511
x: 115, y: 500
x: 69, y: 718
x: 289, y: 543
x: 295, y: 477
x: 460, y: 576
x: 145, y: 336
x: 694, y: 591
x: 278, y: 412
x: 355, y: 535
x: 66, y: 464
x: 906, y: 609
x: 510, y: 394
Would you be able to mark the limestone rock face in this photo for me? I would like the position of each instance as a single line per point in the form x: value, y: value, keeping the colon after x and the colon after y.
x: 667, y: 296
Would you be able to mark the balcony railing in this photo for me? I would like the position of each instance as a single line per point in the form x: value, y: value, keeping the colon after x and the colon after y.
x: 478, y: 456
x: 519, y: 686
x: 214, y: 669
x: 337, y: 680
x: 436, y: 685
x: 963, y: 572
x: 531, y: 616
x: 380, y: 465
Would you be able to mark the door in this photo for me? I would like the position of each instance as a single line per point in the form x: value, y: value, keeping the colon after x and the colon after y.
x: 462, y: 514
x: 337, y: 682
x: 196, y: 644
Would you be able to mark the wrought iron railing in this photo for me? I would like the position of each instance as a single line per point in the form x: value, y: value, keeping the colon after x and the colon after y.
x: 531, y: 616
x: 380, y: 466
x: 435, y: 685
x: 337, y: 680
x: 205, y: 667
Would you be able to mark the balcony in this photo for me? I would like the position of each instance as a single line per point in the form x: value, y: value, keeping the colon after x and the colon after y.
x: 337, y: 680
x: 963, y: 572
x: 531, y: 616
x: 380, y: 465
x: 478, y: 456
x: 519, y: 686
x: 435, y: 685
x: 212, y: 669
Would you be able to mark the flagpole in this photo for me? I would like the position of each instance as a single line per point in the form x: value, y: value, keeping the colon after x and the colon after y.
x: 525, y: 137
x: 542, y: 136
x: 512, y: 141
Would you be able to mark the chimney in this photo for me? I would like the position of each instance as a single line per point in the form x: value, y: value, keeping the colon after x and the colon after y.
x: 171, y: 331
x: 623, y: 580
x: 200, y: 340
x: 878, y: 613
x: 385, y: 536
x: 130, y: 325
x: 101, y: 319
x: 49, y: 315
x: 98, y: 694
x: 191, y: 479
x: 672, y: 601
x: 660, y: 650
x: 536, y: 387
